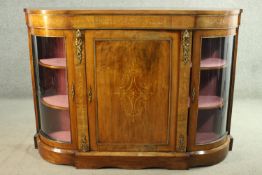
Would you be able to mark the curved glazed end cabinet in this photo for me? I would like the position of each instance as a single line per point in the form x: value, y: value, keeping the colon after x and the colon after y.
x: 133, y: 88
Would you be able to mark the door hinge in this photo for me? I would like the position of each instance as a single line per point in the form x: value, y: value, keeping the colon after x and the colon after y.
x: 73, y: 91
x: 193, y: 93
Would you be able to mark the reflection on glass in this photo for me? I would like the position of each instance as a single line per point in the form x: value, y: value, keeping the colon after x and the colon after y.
x: 51, y: 83
x: 216, y: 57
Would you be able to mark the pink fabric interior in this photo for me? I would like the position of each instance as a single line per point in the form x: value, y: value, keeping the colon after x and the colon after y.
x: 51, y: 51
x: 63, y: 120
x: 210, y: 115
x: 61, y: 81
x: 51, y: 47
x: 53, y: 86
x: 61, y: 62
x: 54, y: 120
x: 209, y: 87
x: 206, y: 121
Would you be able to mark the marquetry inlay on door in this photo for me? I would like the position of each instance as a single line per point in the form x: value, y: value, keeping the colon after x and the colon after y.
x: 134, y: 75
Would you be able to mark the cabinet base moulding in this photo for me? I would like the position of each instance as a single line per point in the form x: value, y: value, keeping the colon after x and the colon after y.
x: 134, y: 160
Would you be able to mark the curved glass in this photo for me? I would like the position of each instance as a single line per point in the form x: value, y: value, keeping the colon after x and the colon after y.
x: 49, y: 58
x: 215, y: 65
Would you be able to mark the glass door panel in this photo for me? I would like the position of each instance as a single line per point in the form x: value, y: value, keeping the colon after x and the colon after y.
x: 51, y: 82
x: 215, y: 70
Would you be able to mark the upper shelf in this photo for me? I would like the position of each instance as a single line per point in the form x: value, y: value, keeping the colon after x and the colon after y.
x: 212, y: 63
x: 54, y: 63
x: 56, y: 101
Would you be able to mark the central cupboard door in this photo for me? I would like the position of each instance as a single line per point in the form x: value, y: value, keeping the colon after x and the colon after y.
x: 132, y: 86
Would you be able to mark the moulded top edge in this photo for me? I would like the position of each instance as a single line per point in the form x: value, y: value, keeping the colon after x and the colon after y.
x: 163, y: 11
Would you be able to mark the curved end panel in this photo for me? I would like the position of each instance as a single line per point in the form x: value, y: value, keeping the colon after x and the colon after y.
x: 209, y: 157
x: 55, y: 155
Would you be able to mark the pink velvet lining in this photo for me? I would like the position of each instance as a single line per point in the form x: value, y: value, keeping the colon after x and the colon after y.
x: 206, y: 121
x: 57, y: 100
x: 209, y: 86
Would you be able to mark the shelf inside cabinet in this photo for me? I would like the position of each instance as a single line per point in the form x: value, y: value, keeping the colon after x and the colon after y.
x: 212, y: 63
x: 64, y: 136
x: 209, y: 102
x: 205, y: 137
x: 54, y: 63
x: 56, y: 101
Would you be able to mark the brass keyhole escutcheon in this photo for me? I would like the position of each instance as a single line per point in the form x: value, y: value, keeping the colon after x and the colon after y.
x: 90, y: 95
x: 193, y: 93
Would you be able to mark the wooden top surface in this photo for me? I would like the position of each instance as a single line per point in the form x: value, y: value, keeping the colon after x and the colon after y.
x: 163, y: 11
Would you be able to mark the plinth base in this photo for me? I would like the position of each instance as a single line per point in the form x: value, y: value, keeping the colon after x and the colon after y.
x: 133, y: 160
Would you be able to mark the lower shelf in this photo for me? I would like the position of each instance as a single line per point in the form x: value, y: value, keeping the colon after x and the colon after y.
x: 212, y: 63
x: 208, y: 102
x: 206, y: 137
x: 56, y: 101
x: 64, y: 136
x: 133, y: 160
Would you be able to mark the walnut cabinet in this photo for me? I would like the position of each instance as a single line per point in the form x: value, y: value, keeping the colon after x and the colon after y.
x: 133, y: 88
